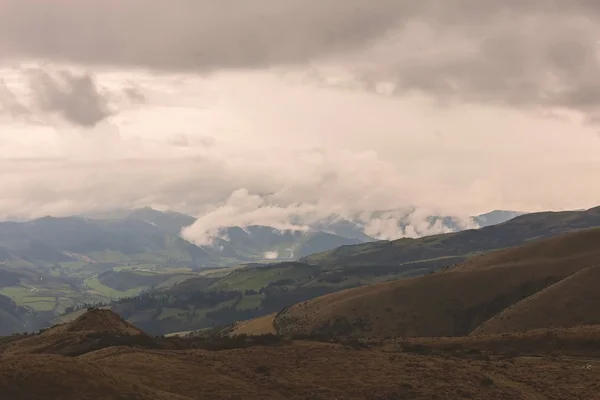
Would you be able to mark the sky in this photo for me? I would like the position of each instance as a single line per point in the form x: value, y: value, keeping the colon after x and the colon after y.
x: 277, y: 111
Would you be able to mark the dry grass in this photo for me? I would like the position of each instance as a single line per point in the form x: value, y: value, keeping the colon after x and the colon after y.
x: 571, y: 302
x: 301, y: 370
x: 457, y: 301
x: 578, y: 242
x: 474, y: 367
x: 579, y: 342
x: 97, y: 320
x: 256, y: 326
x: 43, y: 377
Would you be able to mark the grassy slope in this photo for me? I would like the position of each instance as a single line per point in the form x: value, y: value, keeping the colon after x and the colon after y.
x: 570, y: 302
x: 257, y: 278
x: 257, y: 326
x: 109, y: 293
x: 457, y: 301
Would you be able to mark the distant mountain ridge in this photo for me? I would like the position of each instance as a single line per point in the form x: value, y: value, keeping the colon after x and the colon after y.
x: 149, y: 235
x: 496, y: 217
x: 457, y: 245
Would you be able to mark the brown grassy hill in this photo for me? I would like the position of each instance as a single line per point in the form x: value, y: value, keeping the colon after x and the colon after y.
x: 570, y: 302
x: 461, y: 368
x: 97, y: 320
x: 95, y: 329
x: 457, y: 301
x: 572, y: 244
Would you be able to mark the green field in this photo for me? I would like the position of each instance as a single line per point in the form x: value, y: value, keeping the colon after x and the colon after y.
x: 109, y: 293
x: 174, y: 280
x: 39, y: 299
x: 40, y: 303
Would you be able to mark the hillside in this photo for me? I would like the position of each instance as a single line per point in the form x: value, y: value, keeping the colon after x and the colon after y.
x: 206, y: 302
x: 513, y: 290
x: 12, y: 317
x: 571, y: 302
x: 135, y: 366
x: 60, y: 243
x: 242, y: 294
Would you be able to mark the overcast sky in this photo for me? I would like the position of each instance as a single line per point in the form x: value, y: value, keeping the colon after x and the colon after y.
x: 255, y: 111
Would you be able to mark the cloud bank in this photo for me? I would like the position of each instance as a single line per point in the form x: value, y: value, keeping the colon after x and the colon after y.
x: 284, y: 111
x: 268, y: 152
x: 200, y: 35
x: 526, y: 53
x: 76, y: 98
x: 10, y: 105
x: 50, y: 94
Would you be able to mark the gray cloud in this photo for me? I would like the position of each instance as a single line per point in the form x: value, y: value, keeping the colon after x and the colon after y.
x: 76, y: 98
x: 181, y: 140
x: 134, y: 94
x: 10, y: 104
x: 540, y: 53
x: 538, y: 60
x: 191, y: 34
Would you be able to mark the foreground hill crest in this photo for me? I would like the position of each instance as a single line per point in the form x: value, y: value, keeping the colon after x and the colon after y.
x: 88, y: 360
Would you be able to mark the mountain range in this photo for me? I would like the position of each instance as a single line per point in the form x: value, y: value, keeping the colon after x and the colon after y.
x: 147, y: 235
